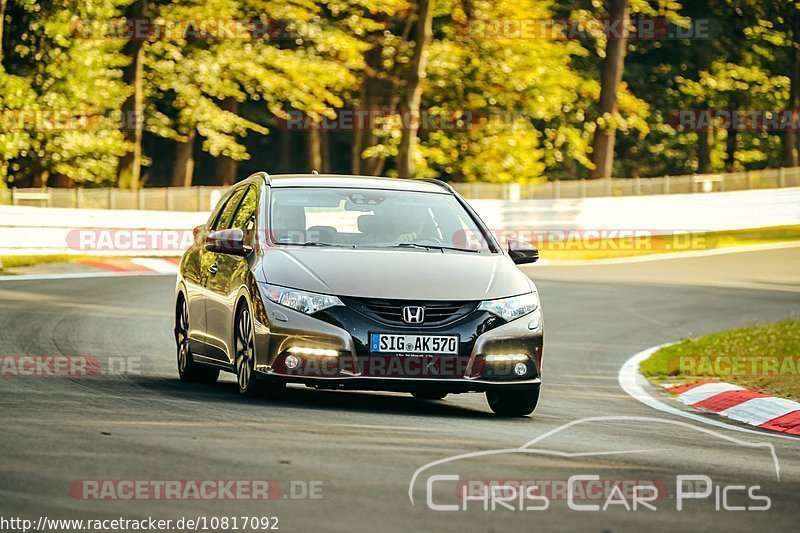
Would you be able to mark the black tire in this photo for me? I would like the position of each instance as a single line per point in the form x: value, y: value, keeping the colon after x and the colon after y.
x: 188, y: 369
x: 513, y: 403
x: 428, y: 395
x: 244, y: 360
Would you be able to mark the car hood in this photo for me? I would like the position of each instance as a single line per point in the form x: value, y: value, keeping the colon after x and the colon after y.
x: 395, y: 274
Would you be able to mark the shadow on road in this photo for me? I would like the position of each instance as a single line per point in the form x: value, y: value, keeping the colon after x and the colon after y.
x: 299, y: 397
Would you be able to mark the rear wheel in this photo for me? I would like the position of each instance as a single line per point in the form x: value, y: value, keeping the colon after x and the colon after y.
x: 513, y: 403
x: 188, y: 370
x: 428, y: 395
x: 244, y: 343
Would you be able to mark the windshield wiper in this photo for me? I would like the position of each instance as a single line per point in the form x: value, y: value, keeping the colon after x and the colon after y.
x: 432, y: 247
x: 315, y: 244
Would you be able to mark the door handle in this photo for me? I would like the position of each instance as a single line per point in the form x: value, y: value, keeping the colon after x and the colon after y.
x: 213, y: 268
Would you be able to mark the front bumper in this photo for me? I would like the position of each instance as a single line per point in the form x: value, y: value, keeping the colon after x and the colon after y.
x: 334, y: 353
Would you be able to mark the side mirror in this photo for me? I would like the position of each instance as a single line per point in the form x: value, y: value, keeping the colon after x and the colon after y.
x: 522, y: 252
x: 228, y: 241
x: 198, y: 231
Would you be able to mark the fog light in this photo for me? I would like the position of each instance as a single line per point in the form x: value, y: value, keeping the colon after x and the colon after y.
x: 520, y: 369
x: 507, y: 358
x: 318, y: 352
x: 291, y: 362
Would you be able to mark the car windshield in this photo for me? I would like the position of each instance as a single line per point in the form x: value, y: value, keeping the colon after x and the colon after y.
x: 372, y: 218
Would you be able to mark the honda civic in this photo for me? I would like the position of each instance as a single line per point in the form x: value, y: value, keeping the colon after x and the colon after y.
x: 359, y: 283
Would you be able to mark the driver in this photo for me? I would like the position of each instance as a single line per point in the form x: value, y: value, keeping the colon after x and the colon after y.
x: 413, y: 224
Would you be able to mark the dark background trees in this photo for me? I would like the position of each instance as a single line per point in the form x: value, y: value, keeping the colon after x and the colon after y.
x: 135, y: 93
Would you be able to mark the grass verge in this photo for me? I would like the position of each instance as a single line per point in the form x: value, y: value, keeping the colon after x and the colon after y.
x: 762, y: 358
x: 10, y: 262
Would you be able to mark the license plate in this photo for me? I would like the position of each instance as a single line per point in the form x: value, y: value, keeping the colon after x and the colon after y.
x: 417, y: 344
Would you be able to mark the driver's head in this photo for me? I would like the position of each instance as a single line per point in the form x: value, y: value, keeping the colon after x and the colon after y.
x: 288, y: 223
x: 411, y: 219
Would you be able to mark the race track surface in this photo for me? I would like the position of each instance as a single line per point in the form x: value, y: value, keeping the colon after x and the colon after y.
x: 366, y: 447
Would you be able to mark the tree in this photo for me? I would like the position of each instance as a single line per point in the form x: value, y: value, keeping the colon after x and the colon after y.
x: 610, y: 79
x: 130, y: 164
x: 410, y: 109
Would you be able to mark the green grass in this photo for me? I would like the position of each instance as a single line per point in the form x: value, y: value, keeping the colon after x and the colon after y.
x: 617, y: 248
x: 10, y: 262
x: 763, y: 358
x: 16, y: 261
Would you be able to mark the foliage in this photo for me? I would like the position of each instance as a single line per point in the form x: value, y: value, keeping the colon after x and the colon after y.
x: 523, y: 108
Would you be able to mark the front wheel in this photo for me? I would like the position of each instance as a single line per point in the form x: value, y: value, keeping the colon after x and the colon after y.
x: 514, y: 402
x: 244, y: 343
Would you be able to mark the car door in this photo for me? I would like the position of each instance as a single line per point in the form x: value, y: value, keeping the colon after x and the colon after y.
x: 195, y: 274
x: 227, y: 272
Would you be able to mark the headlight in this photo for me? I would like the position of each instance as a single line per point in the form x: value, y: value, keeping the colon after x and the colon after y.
x: 512, y: 308
x: 305, y: 302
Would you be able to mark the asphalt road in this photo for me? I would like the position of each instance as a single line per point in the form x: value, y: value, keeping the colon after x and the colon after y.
x: 364, y: 448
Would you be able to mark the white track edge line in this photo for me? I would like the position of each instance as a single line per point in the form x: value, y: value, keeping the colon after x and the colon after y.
x: 632, y: 382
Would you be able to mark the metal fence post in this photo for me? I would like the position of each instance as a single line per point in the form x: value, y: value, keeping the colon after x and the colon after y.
x: 169, y: 198
x: 49, y: 201
x: 749, y: 179
x: 609, y: 187
x: 139, y: 199
x: 13, y: 196
x: 781, y: 178
x: 666, y: 185
x: 78, y: 197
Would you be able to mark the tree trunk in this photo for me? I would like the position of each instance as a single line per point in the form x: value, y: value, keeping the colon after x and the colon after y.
x: 183, y: 167
x: 225, y: 167
x: 730, y: 149
x: 314, y: 147
x: 705, y: 145
x: 2, y: 20
x: 130, y: 164
x: 325, y: 152
x: 410, y: 108
x: 610, y: 79
x: 790, y: 138
x: 285, y: 157
x: 705, y: 137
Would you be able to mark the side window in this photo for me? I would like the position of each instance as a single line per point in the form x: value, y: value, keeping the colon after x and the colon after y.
x: 224, y: 220
x: 245, y: 216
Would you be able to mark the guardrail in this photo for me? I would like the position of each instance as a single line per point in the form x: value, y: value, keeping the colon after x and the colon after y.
x: 202, y: 198
x: 32, y: 230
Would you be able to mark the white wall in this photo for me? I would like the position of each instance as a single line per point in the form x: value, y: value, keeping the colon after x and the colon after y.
x: 36, y: 230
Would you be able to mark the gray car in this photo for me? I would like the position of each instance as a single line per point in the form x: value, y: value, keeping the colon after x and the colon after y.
x: 349, y: 282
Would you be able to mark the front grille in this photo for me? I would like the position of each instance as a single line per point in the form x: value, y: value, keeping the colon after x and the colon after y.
x: 391, y: 311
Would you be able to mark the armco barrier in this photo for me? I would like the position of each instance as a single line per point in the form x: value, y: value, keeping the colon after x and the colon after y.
x: 36, y: 230
x: 201, y: 198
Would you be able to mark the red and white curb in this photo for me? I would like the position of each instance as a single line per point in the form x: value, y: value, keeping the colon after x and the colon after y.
x: 104, y: 268
x: 142, y: 265
x: 636, y: 386
x: 742, y: 405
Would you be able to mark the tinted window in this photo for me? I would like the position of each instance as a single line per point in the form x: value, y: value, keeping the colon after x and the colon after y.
x: 245, y: 215
x: 224, y: 220
x: 372, y: 218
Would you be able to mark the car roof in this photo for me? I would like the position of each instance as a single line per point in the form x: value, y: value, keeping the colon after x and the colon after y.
x: 356, y: 182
